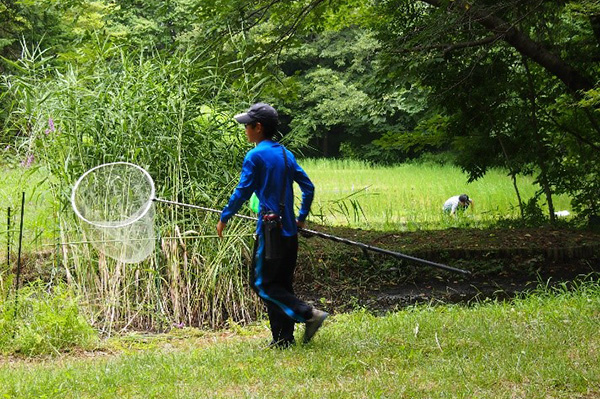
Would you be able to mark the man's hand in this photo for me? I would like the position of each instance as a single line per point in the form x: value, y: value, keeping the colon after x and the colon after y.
x: 303, y: 233
x: 220, y: 228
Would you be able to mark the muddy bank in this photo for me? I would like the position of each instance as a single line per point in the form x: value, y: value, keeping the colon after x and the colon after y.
x: 503, y: 263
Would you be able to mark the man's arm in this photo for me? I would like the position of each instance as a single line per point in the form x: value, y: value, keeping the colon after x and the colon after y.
x: 308, y: 192
x: 454, y: 208
x: 242, y: 192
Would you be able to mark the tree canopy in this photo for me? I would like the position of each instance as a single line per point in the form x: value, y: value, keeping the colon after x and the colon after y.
x: 509, y: 83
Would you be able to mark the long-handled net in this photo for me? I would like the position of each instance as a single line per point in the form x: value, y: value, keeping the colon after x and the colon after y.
x: 115, y: 201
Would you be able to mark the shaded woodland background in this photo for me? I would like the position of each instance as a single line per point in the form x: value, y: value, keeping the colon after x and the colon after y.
x: 480, y: 83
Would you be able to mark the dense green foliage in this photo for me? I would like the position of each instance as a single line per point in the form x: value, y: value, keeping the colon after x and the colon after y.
x: 35, y: 321
x: 509, y: 84
x: 505, y: 104
x: 383, y: 81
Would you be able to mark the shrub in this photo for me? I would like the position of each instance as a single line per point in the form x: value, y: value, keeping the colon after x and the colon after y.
x: 45, y: 322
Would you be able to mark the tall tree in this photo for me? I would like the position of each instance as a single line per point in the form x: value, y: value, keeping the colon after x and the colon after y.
x: 494, y: 17
x: 509, y: 75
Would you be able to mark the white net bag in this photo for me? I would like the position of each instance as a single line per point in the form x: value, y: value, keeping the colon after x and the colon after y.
x: 115, y: 201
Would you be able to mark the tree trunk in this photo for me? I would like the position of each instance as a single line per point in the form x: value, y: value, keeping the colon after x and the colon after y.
x: 542, y: 153
x: 548, y: 193
x: 513, y: 175
x: 514, y: 180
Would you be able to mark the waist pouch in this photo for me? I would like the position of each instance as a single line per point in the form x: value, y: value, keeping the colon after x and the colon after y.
x: 272, y: 230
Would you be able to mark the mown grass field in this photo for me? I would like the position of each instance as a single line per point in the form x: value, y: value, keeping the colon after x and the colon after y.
x: 542, y: 346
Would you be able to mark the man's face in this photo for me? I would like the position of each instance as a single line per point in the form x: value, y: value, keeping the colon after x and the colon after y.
x: 254, y: 132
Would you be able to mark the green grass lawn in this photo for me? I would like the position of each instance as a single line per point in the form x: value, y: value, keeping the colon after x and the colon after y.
x: 543, y: 346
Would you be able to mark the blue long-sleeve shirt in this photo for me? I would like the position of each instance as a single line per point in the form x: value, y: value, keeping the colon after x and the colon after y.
x: 263, y: 174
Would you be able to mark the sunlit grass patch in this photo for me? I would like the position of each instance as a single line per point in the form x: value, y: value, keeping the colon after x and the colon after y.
x: 39, y: 212
x: 410, y: 196
x: 537, y: 346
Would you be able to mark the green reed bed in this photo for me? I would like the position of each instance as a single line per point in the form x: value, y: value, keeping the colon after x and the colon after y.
x: 410, y: 196
x: 543, y: 345
x: 165, y: 115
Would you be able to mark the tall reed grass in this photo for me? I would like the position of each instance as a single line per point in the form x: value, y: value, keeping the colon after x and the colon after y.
x: 170, y: 116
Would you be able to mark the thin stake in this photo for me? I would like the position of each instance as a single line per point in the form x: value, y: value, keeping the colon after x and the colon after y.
x: 8, y: 238
x: 19, y: 254
x: 8, y: 245
x: 337, y: 239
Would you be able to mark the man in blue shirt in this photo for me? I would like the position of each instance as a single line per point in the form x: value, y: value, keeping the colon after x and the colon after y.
x: 270, y: 170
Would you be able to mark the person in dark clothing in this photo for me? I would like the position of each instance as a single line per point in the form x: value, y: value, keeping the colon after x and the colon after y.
x: 269, y: 170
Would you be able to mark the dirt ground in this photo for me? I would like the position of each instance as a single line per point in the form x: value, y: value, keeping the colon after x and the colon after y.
x: 501, y: 262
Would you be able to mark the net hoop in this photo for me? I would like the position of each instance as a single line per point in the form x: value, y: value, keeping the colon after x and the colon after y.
x: 129, y: 221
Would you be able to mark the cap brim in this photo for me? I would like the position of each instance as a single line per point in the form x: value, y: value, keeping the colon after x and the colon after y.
x: 243, y: 118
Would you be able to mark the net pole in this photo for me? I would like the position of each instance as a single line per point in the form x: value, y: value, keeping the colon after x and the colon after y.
x: 337, y: 239
x: 202, y: 208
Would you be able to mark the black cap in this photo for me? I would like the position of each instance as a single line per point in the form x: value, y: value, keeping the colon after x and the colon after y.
x: 259, y: 112
x: 464, y: 198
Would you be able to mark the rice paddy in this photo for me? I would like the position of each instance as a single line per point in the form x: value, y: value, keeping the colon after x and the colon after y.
x: 410, y: 196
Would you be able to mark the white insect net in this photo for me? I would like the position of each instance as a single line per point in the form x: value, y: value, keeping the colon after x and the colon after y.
x: 115, y: 201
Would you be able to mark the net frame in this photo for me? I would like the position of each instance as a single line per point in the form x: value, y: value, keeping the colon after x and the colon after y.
x: 135, y: 217
x: 130, y: 238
